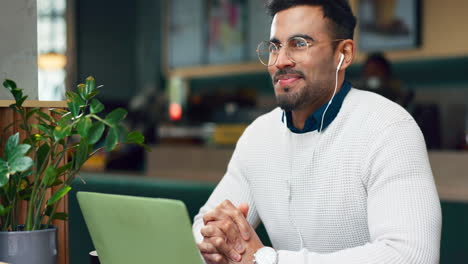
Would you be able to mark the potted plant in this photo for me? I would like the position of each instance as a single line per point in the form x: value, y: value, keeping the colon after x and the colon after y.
x: 52, y: 152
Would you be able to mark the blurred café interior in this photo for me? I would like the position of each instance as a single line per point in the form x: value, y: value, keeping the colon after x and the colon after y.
x: 188, y: 73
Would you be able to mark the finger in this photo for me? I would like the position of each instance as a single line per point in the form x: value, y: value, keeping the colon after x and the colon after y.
x: 238, y: 218
x: 231, y: 232
x: 215, y: 258
x: 244, y: 208
x: 223, y: 248
x: 218, y: 213
x: 207, y: 248
x: 211, y: 230
x: 227, y: 209
x: 213, y: 215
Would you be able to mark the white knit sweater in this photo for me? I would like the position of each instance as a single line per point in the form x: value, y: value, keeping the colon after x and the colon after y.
x: 362, y: 191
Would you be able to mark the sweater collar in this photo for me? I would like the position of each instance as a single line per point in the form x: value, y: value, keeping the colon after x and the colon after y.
x: 313, y: 122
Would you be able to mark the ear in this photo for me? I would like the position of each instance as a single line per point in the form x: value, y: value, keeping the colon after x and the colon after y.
x: 348, y: 49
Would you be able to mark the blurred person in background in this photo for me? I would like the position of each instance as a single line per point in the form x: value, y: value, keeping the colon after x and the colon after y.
x: 377, y: 76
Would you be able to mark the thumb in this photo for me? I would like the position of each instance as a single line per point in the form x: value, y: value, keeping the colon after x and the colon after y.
x: 244, y: 208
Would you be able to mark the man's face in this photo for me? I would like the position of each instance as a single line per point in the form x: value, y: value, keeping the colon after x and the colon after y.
x: 309, y: 82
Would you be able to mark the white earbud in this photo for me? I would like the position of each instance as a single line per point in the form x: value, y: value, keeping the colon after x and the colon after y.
x: 341, y: 61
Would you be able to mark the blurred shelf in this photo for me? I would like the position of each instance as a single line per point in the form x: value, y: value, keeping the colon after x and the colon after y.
x: 33, y: 103
x: 217, y: 70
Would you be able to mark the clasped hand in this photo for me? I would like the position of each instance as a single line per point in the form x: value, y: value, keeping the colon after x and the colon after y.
x: 227, y: 236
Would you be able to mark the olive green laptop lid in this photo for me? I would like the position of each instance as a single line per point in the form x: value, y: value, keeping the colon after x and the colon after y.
x: 129, y: 229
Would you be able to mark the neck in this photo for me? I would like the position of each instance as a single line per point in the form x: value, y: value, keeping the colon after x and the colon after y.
x: 300, y: 116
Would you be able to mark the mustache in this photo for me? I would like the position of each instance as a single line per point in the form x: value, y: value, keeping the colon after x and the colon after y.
x: 287, y: 71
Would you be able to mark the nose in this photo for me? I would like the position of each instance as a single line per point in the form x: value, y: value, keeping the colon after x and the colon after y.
x: 283, y: 60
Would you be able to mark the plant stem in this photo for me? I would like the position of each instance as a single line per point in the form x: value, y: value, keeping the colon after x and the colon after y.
x: 6, y: 223
x: 101, y: 120
x: 38, y: 217
x: 54, y: 208
x: 30, y: 212
x: 94, y: 152
x: 14, y: 209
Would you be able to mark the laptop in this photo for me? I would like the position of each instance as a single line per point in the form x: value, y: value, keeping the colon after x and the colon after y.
x: 138, y: 230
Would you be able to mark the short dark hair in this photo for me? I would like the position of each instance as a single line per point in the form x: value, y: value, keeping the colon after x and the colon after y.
x: 338, y: 12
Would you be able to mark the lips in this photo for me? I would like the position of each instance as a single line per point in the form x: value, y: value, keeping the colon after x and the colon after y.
x: 287, y: 79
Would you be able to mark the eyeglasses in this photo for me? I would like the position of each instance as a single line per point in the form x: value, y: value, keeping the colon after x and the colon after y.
x: 296, y: 50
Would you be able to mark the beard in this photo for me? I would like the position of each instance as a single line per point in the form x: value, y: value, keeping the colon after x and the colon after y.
x: 303, y: 97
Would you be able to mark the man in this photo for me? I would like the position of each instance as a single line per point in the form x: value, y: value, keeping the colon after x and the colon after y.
x: 336, y: 175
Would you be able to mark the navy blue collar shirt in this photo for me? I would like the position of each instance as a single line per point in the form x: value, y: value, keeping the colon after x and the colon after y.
x: 313, y: 122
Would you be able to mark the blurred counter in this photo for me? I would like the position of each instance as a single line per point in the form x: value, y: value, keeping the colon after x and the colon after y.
x: 209, y: 163
x: 450, y: 171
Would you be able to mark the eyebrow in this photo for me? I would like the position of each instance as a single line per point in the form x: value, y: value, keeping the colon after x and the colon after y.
x: 307, y: 37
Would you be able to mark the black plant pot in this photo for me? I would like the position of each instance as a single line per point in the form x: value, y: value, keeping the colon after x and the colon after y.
x: 27, y: 247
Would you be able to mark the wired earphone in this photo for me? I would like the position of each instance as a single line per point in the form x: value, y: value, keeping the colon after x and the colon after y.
x: 334, y: 92
x: 321, y: 126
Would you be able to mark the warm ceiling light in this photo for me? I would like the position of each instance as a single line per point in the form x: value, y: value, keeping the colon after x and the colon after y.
x: 52, y: 61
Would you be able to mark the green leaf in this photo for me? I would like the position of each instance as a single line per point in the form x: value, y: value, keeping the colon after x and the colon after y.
x: 112, y: 138
x: 96, y: 106
x: 135, y: 137
x: 83, y: 126
x: 18, y: 152
x: 95, y: 132
x: 45, y: 116
x: 62, y: 132
x: 90, y: 85
x: 48, y: 210
x: 65, y: 119
x: 21, y: 164
x: 11, y: 144
x: 60, y: 216
x: 74, y: 108
x: 81, y: 153
x: 3, y: 164
x: 59, y: 194
x: 4, y: 176
x: 82, y: 91
x: 74, y: 103
x: 46, y: 129
x: 15, y: 108
x: 92, y: 94
x: 64, y: 168
x: 58, y: 111
x: 3, y: 210
x: 39, y: 137
x: 32, y: 112
x: 116, y: 116
x: 42, y: 154
x: 21, y: 100
x: 50, y: 176
x: 9, y: 84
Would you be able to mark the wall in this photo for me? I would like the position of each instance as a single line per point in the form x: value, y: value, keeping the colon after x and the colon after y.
x: 18, y: 46
x: 106, y: 45
x: 443, y: 28
x: 118, y: 42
